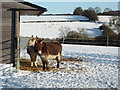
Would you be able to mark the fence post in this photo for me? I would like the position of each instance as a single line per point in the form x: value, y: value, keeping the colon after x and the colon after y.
x: 107, y: 40
x: 18, y: 53
x: 13, y: 36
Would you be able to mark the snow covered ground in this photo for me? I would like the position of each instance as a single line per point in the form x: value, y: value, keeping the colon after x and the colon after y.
x: 98, y: 70
x: 105, y: 19
x: 53, y: 18
x: 51, y: 29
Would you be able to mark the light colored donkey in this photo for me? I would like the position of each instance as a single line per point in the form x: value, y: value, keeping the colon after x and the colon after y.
x: 31, y: 51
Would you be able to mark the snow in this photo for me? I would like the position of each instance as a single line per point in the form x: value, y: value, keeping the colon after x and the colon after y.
x: 52, y: 18
x: 98, y: 70
x: 51, y: 30
x: 104, y: 19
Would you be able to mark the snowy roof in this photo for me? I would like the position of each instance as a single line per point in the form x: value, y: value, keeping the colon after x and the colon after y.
x: 53, y: 18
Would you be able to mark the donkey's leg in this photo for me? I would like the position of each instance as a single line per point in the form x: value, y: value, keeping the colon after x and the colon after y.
x: 46, y: 62
x: 59, y: 59
x: 32, y: 63
x: 36, y: 63
x: 57, y: 62
x: 35, y: 60
x: 43, y: 62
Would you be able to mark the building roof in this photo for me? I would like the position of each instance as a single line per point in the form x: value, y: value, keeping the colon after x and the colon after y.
x: 25, y: 8
x: 34, y: 6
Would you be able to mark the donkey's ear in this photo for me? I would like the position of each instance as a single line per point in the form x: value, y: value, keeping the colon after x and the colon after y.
x: 36, y: 37
x: 41, y: 40
x: 32, y: 36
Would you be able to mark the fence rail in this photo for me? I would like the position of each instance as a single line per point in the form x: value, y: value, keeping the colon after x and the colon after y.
x: 100, y: 42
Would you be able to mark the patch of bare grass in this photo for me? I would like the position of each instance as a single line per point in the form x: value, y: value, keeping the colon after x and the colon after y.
x: 25, y: 64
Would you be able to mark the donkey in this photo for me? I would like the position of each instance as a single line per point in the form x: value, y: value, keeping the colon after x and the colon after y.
x: 31, y: 51
x: 48, y: 50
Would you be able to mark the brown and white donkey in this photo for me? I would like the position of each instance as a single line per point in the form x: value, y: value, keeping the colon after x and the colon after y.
x: 48, y: 50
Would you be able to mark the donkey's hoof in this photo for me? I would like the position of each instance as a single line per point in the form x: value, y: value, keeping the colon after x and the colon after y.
x: 47, y: 68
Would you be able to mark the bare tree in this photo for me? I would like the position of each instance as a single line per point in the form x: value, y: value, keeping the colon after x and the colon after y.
x: 107, y: 32
x: 78, y: 11
x: 117, y: 25
x: 97, y: 9
x: 107, y: 9
x: 64, y: 32
x: 113, y: 20
x: 90, y: 9
x: 83, y: 33
x: 91, y: 14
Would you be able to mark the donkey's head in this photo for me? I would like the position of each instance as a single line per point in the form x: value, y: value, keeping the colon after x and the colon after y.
x: 38, y: 45
x: 32, y: 41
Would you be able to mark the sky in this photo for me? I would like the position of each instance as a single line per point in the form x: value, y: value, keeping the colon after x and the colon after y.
x: 68, y: 6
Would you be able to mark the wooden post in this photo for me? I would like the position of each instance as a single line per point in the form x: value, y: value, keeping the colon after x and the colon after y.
x: 107, y: 40
x: 18, y: 53
x: 18, y: 39
x: 13, y: 39
x: 63, y: 40
x: 0, y: 31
